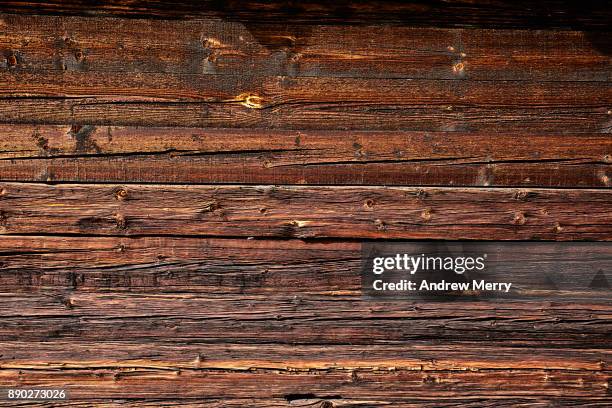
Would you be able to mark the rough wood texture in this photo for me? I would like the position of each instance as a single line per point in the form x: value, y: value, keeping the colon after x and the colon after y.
x: 363, y: 386
x: 245, y: 331
x: 306, y: 103
x: 299, y: 319
x: 184, y: 188
x: 217, y: 74
x: 288, y: 212
x: 418, y: 355
x: 116, y: 47
x: 545, y: 113
x: 584, y: 15
x: 252, y: 267
x: 256, y: 156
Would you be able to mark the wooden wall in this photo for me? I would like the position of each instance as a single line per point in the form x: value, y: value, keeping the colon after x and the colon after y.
x: 184, y: 188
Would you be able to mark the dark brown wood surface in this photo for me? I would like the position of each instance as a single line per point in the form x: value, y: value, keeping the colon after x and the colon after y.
x: 198, y: 49
x: 234, y: 266
x: 60, y: 153
x: 185, y: 187
x: 585, y: 15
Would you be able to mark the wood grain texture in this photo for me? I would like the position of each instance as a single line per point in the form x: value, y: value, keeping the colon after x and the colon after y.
x: 328, y: 385
x: 52, y: 153
x: 288, y: 212
x: 178, y: 319
x: 216, y: 47
x: 308, y: 103
x: 257, y: 267
x: 419, y: 355
x: 584, y: 15
x: 413, y: 113
x: 189, y: 297
x: 185, y: 186
x: 213, y: 73
x: 188, y: 333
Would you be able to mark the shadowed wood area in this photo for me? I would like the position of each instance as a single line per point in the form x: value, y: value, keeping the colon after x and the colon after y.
x: 255, y: 267
x: 185, y: 188
x: 587, y: 14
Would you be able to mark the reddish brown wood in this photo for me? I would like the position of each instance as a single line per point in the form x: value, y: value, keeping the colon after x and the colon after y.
x: 306, y: 212
x: 114, y: 47
x: 361, y: 386
x: 309, y: 319
x: 201, y: 155
x: 142, y: 279
x: 404, y: 105
x: 262, y: 267
x: 417, y: 355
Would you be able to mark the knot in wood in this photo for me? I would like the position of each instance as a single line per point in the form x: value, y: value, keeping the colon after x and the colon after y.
x: 11, y: 60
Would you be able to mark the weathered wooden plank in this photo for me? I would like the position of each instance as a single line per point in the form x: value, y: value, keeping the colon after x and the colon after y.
x: 97, y: 111
x: 588, y: 14
x: 274, y: 92
x: 371, y: 386
x: 117, y: 46
x: 90, y: 309
x: 306, y: 212
x: 196, y: 155
x: 179, y: 318
x: 419, y: 355
x: 259, y: 267
x: 160, y: 264
x: 306, y: 103
x: 142, y: 363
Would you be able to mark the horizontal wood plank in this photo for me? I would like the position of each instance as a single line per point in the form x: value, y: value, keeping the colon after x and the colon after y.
x: 370, y: 386
x: 273, y: 93
x: 308, y: 103
x: 306, y: 212
x: 75, y: 334
x: 589, y: 15
x: 179, y: 318
x: 418, y: 355
x: 257, y: 156
x: 259, y: 267
x: 115, y: 47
